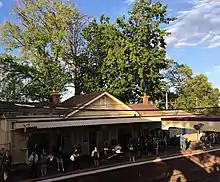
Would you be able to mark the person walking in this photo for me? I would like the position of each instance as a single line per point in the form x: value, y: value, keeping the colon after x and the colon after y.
x: 95, y: 156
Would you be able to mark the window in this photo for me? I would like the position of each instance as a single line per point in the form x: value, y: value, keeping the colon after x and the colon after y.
x: 103, y: 101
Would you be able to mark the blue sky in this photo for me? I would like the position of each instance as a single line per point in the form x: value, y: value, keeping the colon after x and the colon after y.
x: 195, y: 38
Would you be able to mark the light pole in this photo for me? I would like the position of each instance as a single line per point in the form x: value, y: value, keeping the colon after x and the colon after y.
x: 166, y: 89
x: 166, y: 100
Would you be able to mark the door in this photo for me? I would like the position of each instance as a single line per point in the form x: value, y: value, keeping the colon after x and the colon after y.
x: 67, y: 144
x: 85, y: 144
x: 42, y: 139
x: 92, y: 140
x: 124, y: 139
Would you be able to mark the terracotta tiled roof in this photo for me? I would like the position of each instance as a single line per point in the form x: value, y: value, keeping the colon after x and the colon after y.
x: 146, y: 109
x: 79, y: 100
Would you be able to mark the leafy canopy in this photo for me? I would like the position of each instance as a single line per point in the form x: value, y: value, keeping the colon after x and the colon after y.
x: 177, y: 75
x: 12, y: 74
x: 198, y: 92
x: 127, y: 57
x: 42, y: 35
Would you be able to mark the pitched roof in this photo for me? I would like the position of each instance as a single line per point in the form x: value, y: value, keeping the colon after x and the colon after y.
x: 80, y: 100
x: 146, y: 109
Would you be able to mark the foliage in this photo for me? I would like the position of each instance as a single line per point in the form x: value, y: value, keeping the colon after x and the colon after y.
x: 127, y: 57
x: 177, y: 75
x: 58, y: 46
x: 12, y: 86
x: 198, y: 92
x: 42, y: 35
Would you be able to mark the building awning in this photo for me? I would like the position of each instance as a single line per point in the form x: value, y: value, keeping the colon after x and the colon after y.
x: 209, y: 123
x: 75, y: 123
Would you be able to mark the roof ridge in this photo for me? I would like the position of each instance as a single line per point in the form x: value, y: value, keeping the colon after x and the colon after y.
x: 80, y: 99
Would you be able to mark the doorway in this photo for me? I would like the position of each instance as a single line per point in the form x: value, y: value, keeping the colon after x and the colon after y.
x: 92, y: 140
x: 124, y: 138
x: 42, y: 139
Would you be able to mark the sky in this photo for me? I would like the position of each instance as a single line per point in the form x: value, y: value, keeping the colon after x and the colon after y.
x: 195, y: 35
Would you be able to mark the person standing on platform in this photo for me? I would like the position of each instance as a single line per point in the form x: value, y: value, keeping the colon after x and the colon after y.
x: 95, y: 156
x: 118, y: 151
x: 59, y: 157
x: 44, y: 163
x: 165, y: 143
x: 105, y: 151
x: 182, y: 143
x: 33, y: 164
x: 131, y: 153
x: 6, y: 165
x: 156, y: 144
x: 138, y: 146
x: 75, y: 158
x: 149, y: 147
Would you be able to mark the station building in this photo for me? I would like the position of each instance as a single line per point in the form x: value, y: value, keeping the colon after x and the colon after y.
x: 88, y: 120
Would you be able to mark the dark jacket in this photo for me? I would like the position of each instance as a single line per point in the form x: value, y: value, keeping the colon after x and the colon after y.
x: 6, y: 163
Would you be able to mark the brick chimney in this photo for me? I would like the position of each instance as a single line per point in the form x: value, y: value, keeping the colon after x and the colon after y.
x: 145, y: 99
x: 55, y: 95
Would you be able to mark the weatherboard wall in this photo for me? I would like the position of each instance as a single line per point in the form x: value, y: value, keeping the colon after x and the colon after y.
x: 103, y: 107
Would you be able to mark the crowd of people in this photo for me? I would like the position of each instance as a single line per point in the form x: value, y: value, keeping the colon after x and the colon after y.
x: 208, y: 139
x: 135, y: 148
x: 39, y: 160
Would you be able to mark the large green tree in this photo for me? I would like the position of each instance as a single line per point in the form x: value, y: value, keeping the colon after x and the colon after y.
x: 198, y: 92
x: 14, y: 77
x: 47, y: 35
x: 127, y: 57
x: 174, y: 77
x: 178, y: 74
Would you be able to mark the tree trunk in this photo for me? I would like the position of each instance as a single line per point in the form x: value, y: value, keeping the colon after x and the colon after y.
x: 76, y: 83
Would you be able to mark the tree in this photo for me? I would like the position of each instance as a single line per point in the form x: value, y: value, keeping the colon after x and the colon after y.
x: 45, y: 35
x: 198, y: 92
x: 127, y: 57
x: 12, y: 86
x: 75, y: 57
x: 177, y: 75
